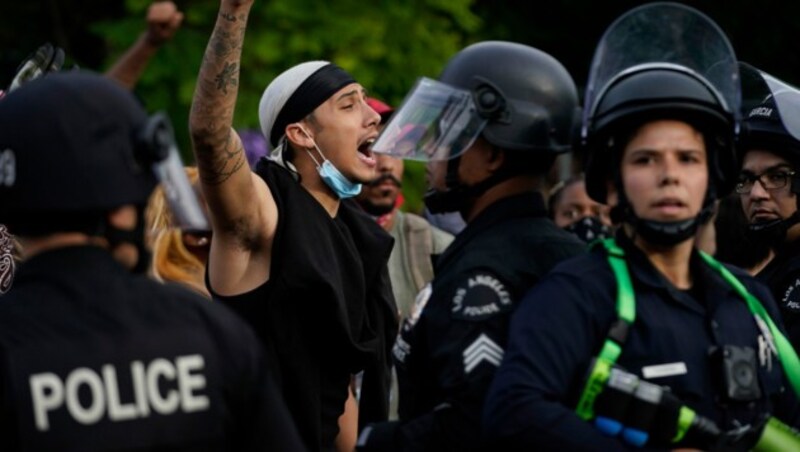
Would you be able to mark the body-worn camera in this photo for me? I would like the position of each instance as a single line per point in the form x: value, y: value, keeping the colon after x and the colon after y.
x: 739, y: 370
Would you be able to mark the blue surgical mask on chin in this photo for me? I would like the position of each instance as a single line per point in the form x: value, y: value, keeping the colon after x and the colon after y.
x: 337, y: 181
x: 332, y: 177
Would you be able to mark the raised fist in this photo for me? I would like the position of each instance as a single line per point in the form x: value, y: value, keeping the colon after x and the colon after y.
x: 163, y: 20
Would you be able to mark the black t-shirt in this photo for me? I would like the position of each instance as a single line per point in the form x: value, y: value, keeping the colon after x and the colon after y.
x: 327, y: 310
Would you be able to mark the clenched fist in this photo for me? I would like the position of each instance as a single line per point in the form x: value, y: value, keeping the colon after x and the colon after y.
x: 163, y: 20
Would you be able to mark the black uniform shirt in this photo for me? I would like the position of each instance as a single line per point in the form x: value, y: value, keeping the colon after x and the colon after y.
x: 93, y: 358
x: 447, y: 353
x: 563, y: 322
x: 782, y: 275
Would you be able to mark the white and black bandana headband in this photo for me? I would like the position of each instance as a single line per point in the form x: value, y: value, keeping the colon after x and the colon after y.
x: 315, y: 90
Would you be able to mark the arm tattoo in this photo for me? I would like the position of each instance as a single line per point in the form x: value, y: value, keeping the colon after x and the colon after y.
x: 222, y: 165
x: 218, y: 150
x: 227, y: 77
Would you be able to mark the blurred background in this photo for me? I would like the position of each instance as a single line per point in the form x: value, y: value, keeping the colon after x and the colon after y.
x: 385, y: 44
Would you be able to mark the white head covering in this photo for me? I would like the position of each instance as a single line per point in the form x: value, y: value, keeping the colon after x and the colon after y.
x: 280, y: 90
x: 274, y: 98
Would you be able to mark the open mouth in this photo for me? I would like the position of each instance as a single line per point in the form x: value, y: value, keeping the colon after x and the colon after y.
x: 365, y: 148
x: 365, y: 153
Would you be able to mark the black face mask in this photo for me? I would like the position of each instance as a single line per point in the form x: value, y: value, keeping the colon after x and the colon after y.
x: 589, y: 229
x: 133, y: 237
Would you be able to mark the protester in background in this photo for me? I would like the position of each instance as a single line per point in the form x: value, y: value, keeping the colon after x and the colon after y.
x: 178, y: 256
x: 416, y: 242
x: 571, y: 208
x: 490, y: 135
x: 290, y: 252
x: 92, y: 355
x: 163, y: 20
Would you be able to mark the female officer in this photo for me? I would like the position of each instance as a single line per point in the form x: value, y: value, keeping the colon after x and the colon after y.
x: 647, y: 311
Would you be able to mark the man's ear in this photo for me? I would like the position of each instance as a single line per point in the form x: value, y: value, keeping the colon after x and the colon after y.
x: 123, y: 218
x: 495, y: 157
x: 299, y: 135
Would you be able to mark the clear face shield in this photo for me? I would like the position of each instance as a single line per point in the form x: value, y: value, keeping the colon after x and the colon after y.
x: 665, y: 35
x: 435, y: 122
x: 166, y: 163
x: 760, y: 87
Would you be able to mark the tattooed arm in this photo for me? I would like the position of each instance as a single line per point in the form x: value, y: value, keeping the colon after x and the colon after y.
x: 243, y: 212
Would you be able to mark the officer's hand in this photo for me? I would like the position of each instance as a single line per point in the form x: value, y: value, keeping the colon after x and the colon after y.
x: 163, y: 20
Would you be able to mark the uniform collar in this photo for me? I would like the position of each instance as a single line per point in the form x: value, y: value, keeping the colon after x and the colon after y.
x: 528, y: 204
x: 643, y: 271
x: 67, y: 262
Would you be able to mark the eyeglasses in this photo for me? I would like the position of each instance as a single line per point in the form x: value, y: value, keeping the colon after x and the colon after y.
x: 770, y: 180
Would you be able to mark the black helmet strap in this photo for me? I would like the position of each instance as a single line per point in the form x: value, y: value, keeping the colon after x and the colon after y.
x: 135, y: 237
x: 773, y: 233
x: 458, y: 196
x: 664, y: 233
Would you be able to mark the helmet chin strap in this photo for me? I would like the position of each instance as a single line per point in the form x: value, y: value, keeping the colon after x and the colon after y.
x: 458, y: 197
x: 773, y: 232
x: 663, y: 233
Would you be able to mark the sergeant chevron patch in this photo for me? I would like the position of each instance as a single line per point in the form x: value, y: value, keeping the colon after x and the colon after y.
x: 483, y: 349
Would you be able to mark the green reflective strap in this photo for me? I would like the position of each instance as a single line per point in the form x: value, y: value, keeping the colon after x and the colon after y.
x: 610, y: 351
x: 626, y: 310
x: 594, y: 386
x: 685, y: 419
x: 777, y: 437
x: 786, y: 353
x: 626, y: 303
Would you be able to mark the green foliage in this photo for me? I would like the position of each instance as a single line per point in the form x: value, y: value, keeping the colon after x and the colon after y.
x: 386, y: 45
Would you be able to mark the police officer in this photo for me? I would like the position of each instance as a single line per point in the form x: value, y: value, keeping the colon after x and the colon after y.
x: 92, y: 356
x: 492, y: 136
x: 769, y: 182
x: 659, y: 138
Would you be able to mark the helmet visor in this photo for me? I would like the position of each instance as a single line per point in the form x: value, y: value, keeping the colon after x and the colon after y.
x: 666, y: 34
x: 434, y: 122
x: 168, y: 168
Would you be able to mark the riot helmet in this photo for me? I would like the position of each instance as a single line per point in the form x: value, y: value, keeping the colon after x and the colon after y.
x: 644, y: 71
x: 73, y: 147
x: 771, y: 114
x: 528, y: 111
x: 770, y: 110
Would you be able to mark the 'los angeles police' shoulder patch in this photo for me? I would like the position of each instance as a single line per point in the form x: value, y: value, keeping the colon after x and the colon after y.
x: 479, y: 297
x: 790, y: 300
